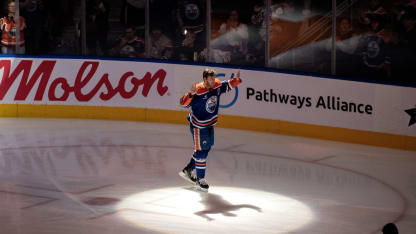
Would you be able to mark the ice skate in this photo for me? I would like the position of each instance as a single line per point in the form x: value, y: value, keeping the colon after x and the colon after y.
x: 202, y: 184
x: 186, y: 174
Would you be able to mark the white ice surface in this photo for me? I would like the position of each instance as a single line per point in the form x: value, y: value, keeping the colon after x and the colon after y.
x: 112, y: 177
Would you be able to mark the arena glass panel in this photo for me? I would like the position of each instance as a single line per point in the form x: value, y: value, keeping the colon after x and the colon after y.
x: 237, y: 32
x: 298, y: 30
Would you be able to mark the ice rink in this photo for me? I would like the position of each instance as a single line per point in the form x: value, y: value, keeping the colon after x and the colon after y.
x: 90, y: 176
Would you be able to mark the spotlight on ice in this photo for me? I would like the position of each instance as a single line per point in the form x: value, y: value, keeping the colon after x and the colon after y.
x: 221, y: 210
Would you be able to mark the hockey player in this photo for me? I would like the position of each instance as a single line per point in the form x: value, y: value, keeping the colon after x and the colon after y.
x: 204, y: 99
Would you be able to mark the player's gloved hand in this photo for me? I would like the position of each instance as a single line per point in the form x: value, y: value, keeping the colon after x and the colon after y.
x: 193, y: 89
x: 238, y: 75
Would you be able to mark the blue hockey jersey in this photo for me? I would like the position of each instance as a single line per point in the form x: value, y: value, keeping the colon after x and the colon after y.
x: 205, y: 102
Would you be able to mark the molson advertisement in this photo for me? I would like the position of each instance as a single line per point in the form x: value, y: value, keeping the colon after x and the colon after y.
x: 84, y: 82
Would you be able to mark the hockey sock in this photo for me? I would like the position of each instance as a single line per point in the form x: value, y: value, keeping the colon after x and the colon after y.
x: 191, y: 164
x: 201, y: 163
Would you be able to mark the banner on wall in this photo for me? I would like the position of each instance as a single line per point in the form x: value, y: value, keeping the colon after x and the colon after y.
x: 267, y: 95
x: 86, y: 82
x: 318, y: 101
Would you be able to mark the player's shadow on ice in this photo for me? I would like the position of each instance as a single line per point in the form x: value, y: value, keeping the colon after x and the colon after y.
x: 215, y: 204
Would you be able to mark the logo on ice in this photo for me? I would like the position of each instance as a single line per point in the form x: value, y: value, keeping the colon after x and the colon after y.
x: 84, y: 76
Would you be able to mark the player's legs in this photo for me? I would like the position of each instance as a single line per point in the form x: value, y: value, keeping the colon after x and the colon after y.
x: 187, y: 172
x: 203, y: 140
x: 211, y: 135
x: 201, y: 165
x: 191, y: 164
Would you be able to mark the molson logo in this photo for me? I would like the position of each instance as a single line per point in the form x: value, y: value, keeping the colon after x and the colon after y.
x: 83, y: 77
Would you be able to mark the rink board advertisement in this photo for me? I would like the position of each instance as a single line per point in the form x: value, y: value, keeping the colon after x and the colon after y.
x: 318, y: 101
x: 146, y: 91
x: 86, y: 82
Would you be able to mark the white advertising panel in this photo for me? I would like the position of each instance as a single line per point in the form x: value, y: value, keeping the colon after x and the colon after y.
x: 319, y: 101
x: 86, y: 82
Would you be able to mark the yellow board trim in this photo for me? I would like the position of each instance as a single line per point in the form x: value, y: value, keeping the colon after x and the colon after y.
x: 226, y: 121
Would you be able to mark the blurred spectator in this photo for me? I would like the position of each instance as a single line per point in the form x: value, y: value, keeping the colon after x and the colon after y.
x: 190, y: 31
x: 129, y: 45
x: 409, y: 26
x: 97, y: 26
x: 188, y: 50
x: 346, y: 47
x: 159, y: 42
x: 8, y: 31
x: 256, y: 36
x: 256, y: 51
x: 406, y: 47
x: 232, y: 38
x: 390, y: 228
x: 190, y: 14
x: 133, y: 12
x: 374, y: 7
x: 31, y: 10
x: 258, y: 19
x: 376, y: 48
x: 168, y: 53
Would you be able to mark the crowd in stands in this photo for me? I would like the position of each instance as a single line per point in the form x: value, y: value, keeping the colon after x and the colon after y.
x: 375, y: 39
x: 376, y: 44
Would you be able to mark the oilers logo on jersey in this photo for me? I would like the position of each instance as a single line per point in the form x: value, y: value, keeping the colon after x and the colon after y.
x: 211, y: 104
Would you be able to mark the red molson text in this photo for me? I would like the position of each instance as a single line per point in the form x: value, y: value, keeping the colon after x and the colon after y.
x: 84, y: 77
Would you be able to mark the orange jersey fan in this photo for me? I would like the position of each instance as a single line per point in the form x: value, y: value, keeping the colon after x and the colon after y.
x: 8, y: 31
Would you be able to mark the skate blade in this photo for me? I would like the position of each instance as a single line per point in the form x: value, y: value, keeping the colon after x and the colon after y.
x: 195, y: 189
x: 201, y: 189
x: 181, y: 174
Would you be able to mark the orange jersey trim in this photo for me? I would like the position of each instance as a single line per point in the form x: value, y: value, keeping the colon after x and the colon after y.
x: 194, y: 121
x: 196, y: 139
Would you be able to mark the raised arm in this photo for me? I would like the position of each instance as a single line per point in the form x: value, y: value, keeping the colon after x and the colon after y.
x: 186, y: 99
